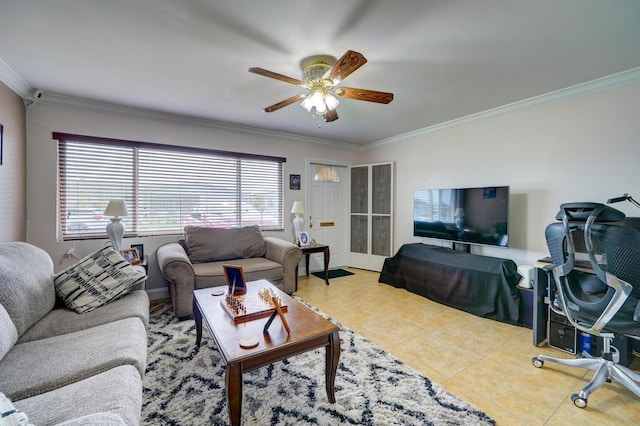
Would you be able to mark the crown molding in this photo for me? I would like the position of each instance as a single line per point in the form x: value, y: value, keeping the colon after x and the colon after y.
x: 135, y: 112
x: 13, y: 81
x: 582, y: 89
x: 20, y: 87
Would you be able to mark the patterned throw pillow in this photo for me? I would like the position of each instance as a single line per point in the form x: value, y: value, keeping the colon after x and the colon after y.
x: 96, y: 280
x: 10, y: 415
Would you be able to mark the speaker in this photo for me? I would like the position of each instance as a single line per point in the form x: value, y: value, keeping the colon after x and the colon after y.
x: 561, y: 334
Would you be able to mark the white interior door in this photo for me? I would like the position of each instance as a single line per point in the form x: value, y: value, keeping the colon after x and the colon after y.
x: 327, y: 192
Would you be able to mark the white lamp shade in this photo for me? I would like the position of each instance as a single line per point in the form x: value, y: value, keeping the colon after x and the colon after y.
x: 298, y: 207
x: 459, y: 212
x: 116, y: 208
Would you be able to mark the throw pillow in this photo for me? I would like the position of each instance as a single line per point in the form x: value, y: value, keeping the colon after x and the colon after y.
x: 10, y: 415
x: 97, y: 279
x: 216, y: 244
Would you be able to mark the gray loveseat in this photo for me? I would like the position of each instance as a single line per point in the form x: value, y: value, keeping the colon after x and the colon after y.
x: 197, y: 261
x: 61, y: 367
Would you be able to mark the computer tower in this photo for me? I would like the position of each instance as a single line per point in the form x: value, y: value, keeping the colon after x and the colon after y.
x: 561, y: 334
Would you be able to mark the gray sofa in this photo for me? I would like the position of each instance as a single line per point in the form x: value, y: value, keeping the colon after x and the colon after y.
x: 61, y: 367
x: 197, y: 261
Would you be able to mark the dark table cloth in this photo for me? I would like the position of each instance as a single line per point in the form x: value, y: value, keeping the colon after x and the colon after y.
x: 481, y: 285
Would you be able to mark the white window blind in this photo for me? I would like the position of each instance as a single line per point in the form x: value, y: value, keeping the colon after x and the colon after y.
x: 165, y: 187
x: 431, y: 205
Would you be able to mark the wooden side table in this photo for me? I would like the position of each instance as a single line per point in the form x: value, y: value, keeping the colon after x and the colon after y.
x: 318, y: 248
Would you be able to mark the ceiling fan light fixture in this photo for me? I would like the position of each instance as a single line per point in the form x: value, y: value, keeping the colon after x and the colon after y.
x: 307, y: 103
x: 331, y: 101
x: 321, y: 74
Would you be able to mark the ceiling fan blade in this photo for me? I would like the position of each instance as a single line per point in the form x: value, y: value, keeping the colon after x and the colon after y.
x: 271, y: 74
x: 348, y: 63
x: 284, y: 103
x: 331, y: 115
x: 364, y: 95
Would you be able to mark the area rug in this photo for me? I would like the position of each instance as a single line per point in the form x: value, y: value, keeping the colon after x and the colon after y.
x: 333, y: 273
x: 184, y: 385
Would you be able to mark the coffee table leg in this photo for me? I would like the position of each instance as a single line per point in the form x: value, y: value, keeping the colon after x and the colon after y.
x: 197, y: 316
x: 234, y: 392
x: 332, y: 359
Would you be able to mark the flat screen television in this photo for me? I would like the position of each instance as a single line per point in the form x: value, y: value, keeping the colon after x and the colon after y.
x: 463, y: 215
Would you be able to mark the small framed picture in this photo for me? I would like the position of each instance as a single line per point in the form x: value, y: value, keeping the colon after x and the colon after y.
x: 130, y: 255
x: 140, y: 248
x: 235, y: 279
x: 303, y: 239
x: 294, y: 182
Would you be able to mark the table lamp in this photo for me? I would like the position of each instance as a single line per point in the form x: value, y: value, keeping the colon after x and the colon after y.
x: 115, y: 230
x: 298, y: 221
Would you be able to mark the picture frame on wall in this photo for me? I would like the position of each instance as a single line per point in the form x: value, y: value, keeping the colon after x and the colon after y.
x: 294, y: 182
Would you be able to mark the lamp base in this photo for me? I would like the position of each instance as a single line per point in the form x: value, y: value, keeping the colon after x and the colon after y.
x: 298, y: 224
x: 115, y: 231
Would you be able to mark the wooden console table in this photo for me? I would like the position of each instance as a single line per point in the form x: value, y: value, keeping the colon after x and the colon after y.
x: 318, y: 248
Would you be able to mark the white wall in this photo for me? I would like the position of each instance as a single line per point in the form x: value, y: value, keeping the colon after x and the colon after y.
x: 581, y: 149
x: 13, y: 175
x: 44, y: 119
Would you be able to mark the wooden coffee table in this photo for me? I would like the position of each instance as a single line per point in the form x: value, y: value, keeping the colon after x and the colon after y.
x: 308, y: 331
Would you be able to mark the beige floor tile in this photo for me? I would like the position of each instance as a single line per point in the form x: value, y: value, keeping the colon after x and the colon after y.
x: 485, y: 362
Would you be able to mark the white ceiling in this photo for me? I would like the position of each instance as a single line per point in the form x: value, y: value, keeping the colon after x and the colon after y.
x: 443, y: 59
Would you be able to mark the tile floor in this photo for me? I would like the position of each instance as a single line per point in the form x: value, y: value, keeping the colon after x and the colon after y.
x: 485, y: 362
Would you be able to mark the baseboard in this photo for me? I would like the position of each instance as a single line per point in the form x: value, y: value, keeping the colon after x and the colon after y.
x: 158, y: 293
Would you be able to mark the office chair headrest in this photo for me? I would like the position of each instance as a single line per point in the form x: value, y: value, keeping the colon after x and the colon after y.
x: 579, y: 212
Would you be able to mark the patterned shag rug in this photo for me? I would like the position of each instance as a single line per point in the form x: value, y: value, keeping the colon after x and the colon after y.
x: 184, y: 385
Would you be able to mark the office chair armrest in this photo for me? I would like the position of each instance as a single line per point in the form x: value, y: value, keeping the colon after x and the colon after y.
x: 622, y: 291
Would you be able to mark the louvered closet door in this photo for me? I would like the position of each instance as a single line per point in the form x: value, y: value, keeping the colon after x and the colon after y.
x: 371, y: 217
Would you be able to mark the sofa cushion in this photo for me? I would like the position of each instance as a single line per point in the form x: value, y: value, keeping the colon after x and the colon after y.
x: 8, y: 332
x: 117, y: 391
x: 257, y: 268
x: 62, y: 320
x: 26, y: 283
x: 215, y: 244
x: 96, y: 280
x: 43, y: 365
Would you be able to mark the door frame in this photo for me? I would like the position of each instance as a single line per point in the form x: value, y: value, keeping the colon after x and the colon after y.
x: 346, y: 200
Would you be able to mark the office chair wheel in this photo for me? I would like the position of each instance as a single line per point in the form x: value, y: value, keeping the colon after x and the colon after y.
x: 578, y: 401
x: 537, y: 362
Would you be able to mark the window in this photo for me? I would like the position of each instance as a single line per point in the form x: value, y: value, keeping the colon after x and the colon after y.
x: 165, y: 187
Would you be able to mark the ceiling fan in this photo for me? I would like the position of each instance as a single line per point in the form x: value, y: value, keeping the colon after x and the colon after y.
x: 321, y: 75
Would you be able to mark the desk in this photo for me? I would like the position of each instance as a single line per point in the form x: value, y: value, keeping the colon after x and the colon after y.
x: 318, y: 248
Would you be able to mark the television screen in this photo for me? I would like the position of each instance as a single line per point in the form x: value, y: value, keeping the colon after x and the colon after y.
x: 463, y: 215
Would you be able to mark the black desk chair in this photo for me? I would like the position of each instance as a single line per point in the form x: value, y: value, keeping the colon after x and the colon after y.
x: 603, y: 304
